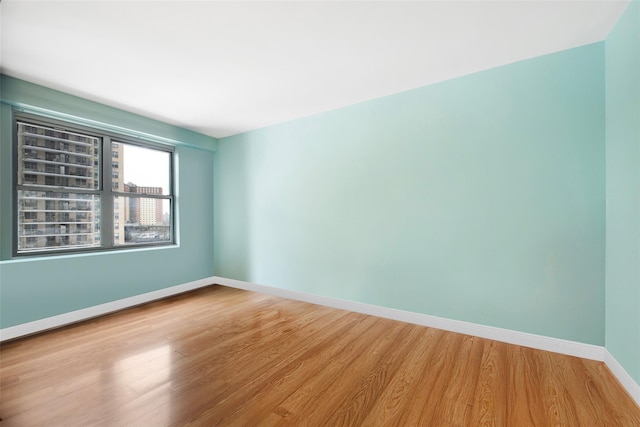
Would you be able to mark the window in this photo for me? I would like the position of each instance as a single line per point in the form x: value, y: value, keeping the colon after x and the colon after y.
x: 71, y: 195
x: 31, y: 215
x: 143, y: 197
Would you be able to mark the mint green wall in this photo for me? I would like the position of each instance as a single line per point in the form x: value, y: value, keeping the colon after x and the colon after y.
x: 479, y: 199
x: 39, y: 287
x: 623, y: 191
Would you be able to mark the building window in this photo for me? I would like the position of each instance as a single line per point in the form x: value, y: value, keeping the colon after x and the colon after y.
x: 84, y: 205
x: 30, y: 215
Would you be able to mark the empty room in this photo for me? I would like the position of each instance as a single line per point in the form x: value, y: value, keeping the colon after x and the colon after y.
x: 319, y: 213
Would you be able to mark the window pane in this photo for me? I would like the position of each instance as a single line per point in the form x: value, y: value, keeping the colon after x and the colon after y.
x: 140, y: 170
x: 57, y: 220
x: 146, y: 220
x: 54, y: 157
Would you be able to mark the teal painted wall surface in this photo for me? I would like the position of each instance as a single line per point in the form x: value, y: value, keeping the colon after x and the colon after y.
x: 623, y: 191
x: 39, y: 287
x: 480, y: 199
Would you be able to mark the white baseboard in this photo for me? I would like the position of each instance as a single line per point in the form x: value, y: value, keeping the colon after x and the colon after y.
x: 623, y: 376
x: 97, y: 310
x: 556, y: 345
x: 540, y: 342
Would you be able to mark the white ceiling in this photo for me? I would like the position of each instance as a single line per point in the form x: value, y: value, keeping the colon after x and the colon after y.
x: 222, y: 68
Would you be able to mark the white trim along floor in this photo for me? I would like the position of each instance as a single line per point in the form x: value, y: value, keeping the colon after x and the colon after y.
x: 571, y: 348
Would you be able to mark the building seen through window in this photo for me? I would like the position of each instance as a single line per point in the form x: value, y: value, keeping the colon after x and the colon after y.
x: 62, y: 201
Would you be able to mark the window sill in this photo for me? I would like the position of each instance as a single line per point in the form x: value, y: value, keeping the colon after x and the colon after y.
x: 71, y: 255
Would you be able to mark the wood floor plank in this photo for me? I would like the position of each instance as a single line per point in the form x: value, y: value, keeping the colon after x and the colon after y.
x: 435, y: 376
x: 224, y: 357
x: 524, y: 397
x: 487, y: 407
x: 361, y: 399
x: 401, y: 389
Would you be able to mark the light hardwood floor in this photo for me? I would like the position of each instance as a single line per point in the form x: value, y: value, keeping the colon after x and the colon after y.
x: 221, y: 356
